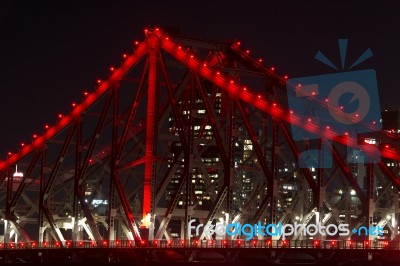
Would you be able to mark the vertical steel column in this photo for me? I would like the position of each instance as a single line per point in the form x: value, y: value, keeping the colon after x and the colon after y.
x: 41, y: 194
x: 113, y: 170
x: 319, y: 198
x: 229, y: 174
x: 8, y: 201
x: 272, y: 186
x: 150, y: 128
x: 188, y: 167
x: 370, y: 204
x: 78, y: 162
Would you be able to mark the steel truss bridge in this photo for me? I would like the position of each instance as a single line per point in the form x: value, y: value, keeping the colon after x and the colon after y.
x: 187, y: 129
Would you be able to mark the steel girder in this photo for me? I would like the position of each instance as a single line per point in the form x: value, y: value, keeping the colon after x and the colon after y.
x: 177, y: 116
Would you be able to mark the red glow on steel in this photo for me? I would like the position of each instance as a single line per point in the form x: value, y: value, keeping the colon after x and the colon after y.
x: 76, y: 113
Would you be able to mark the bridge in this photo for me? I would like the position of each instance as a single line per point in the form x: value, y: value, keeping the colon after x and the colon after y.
x: 184, y: 129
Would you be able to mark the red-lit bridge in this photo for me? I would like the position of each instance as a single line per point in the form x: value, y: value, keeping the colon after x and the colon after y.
x: 189, y: 129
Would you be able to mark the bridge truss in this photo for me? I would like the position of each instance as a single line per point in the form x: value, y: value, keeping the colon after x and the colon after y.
x: 185, y: 129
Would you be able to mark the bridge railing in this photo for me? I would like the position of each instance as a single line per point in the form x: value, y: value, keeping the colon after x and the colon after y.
x: 177, y: 243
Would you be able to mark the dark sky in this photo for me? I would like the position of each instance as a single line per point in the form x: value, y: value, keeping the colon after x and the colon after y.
x: 51, y: 51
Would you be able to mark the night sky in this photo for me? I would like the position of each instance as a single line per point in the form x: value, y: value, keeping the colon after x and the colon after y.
x: 51, y: 51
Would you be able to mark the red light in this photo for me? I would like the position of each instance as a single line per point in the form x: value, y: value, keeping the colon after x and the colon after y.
x: 259, y: 96
x: 169, y: 242
x: 326, y: 100
x: 60, y: 115
x: 124, y: 55
x: 218, y: 73
x: 22, y: 244
x: 284, y: 242
x: 68, y: 243
x: 341, y: 107
x: 9, y: 153
x: 357, y: 115
x: 285, y: 77
x: 112, y: 68
x: 245, y: 89
x: 313, y: 93
x: 45, y: 243
x: 291, y: 111
x: 272, y: 68
x: 85, y: 93
x: 238, y: 43
x: 247, y: 51
x: 309, y: 119
x: 73, y: 104
x: 179, y: 47
x: 373, y: 122
x: 328, y: 127
x: 316, y: 243
x: 260, y: 60
x: 104, y: 243
x: 274, y: 104
x: 346, y: 133
x: 157, y: 29
x: 99, y: 81
x: 386, y: 146
x: 191, y: 56
x: 22, y: 144
x: 204, y: 64
x: 80, y: 243
x: 224, y: 242
x: 333, y: 243
x: 137, y: 43
x: 117, y: 242
x: 34, y: 136
x: 232, y: 81
x: 46, y: 126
